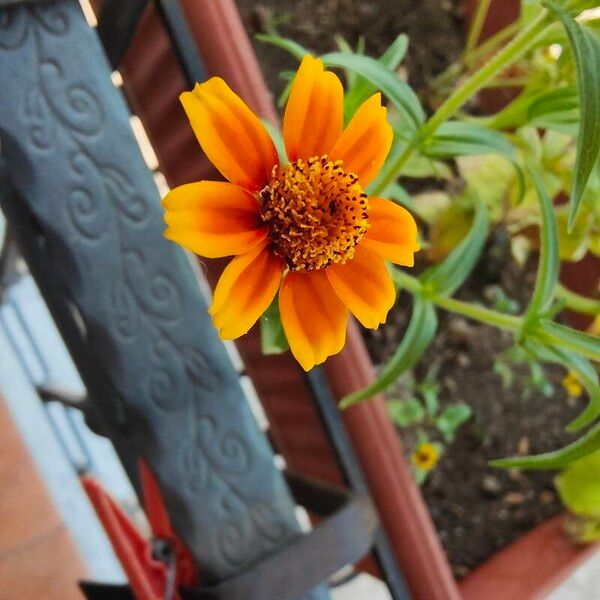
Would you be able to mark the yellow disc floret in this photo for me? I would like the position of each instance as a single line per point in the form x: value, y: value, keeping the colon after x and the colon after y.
x: 316, y: 213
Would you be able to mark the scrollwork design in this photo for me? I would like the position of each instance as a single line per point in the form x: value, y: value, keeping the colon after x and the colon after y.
x: 13, y: 28
x: 86, y: 211
x: 55, y: 21
x: 74, y: 105
x: 36, y: 115
x: 124, y: 311
x: 165, y: 382
x: 228, y: 452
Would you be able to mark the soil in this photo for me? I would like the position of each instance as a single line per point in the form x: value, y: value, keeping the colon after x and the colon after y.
x: 434, y: 27
x: 477, y: 509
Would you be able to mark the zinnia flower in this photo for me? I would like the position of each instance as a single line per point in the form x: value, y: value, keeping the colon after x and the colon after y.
x: 426, y: 456
x: 305, y: 229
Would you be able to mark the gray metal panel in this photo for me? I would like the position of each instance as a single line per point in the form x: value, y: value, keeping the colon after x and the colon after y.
x: 151, y: 360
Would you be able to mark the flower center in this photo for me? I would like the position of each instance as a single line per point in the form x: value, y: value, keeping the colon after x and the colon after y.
x: 316, y: 212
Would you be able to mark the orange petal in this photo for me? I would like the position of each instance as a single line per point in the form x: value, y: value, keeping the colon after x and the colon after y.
x: 213, y: 218
x: 392, y: 232
x: 245, y: 290
x: 314, y: 116
x: 366, y: 141
x: 313, y: 318
x: 230, y: 134
x: 364, y: 285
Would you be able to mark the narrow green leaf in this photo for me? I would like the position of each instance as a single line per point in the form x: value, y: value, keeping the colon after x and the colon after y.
x: 420, y: 332
x: 547, y: 275
x: 272, y: 336
x: 557, y: 110
x: 586, y: 50
x: 447, y: 276
x: 457, y: 138
x: 277, y: 138
x: 398, y: 92
x: 363, y: 88
x: 584, y: 371
x: 295, y: 49
x: 586, y: 444
x: 557, y: 334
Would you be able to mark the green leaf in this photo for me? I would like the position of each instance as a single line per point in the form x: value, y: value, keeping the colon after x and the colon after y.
x: 430, y: 390
x: 579, y: 486
x: 405, y: 413
x: 585, y: 372
x: 586, y: 50
x: 447, y: 276
x: 557, y: 334
x: 420, y: 332
x: 363, y: 88
x: 398, y: 92
x: 547, y: 275
x: 295, y: 49
x: 557, y: 110
x: 451, y: 418
x: 272, y: 336
x: 588, y: 443
x: 457, y: 138
x: 277, y: 138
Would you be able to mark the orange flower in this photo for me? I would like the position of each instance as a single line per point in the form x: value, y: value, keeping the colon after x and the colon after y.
x: 305, y: 228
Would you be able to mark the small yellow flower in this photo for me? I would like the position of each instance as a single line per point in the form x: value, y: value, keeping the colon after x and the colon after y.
x: 425, y: 456
x: 594, y: 328
x: 305, y: 229
x: 572, y: 384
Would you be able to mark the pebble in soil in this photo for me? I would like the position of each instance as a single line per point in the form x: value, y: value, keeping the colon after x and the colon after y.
x: 478, y: 509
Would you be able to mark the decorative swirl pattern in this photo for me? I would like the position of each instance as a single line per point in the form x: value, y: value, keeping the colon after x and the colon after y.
x: 165, y: 381
x: 135, y: 317
x: 13, y: 28
x: 36, y: 116
x: 74, y: 105
x: 55, y: 21
x: 87, y: 213
x: 123, y: 311
x: 227, y: 452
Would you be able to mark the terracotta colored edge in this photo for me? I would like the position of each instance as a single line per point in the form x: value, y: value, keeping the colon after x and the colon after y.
x: 529, y: 568
x: 398, y: 499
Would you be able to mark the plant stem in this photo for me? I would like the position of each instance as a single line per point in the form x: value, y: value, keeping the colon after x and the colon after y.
x: 578, y: 303
x: 471, y: 311
x: 477, y: 24
x: 508, y: 54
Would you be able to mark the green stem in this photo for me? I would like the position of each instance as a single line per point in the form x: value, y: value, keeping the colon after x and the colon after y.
x: 471, y: 311
x: 578, y: 303
x: 508, y: 54
x: 477, y: 24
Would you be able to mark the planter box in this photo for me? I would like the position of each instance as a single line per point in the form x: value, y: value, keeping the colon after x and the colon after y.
x: 153, y: 80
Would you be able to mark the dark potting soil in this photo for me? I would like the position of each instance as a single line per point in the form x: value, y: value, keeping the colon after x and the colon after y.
x: 434, y: 27
x: 477, y: 509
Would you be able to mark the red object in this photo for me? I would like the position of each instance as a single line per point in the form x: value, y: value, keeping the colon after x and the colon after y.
x: 147, y: 576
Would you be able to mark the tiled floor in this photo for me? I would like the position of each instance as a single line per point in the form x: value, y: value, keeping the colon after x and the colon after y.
x: 38, y: 559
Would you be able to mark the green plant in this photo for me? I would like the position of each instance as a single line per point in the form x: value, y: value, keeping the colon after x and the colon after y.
x: 511, y: 174
x: 423, y: 410
x: 578, y: 486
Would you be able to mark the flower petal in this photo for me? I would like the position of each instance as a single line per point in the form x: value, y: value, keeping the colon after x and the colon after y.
x: 366, y: 141
x: 364, y: 285
x: 213, y: 218
x: 392, y: 232
x: 314, y: 113
x: 230, y: 134
x: 313, y: 318
x: 245, y: 289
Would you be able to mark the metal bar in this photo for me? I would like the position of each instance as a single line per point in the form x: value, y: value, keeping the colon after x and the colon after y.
x: 183, y: 42
x: 329, y: 414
